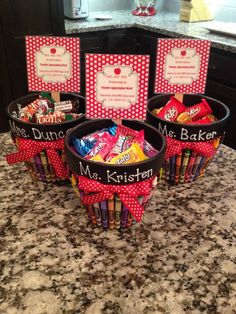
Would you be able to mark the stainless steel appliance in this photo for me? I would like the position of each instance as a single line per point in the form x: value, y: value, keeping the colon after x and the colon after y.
x: 76, y: 9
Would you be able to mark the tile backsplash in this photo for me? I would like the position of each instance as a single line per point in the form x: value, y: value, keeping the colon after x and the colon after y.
x: 109, y: 5
x: 223, y: 10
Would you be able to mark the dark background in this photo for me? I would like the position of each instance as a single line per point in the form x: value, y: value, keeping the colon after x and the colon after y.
x: 46, y: 17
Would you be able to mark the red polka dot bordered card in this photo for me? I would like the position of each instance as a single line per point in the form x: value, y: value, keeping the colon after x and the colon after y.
x: 181, y: 65
x: 53, y: 63
x: 116, y: 86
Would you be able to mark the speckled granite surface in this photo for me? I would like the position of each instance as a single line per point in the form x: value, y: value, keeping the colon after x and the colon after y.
x: 163, y: 22
x: 182, y: 258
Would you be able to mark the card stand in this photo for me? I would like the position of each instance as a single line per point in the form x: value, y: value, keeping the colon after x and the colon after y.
x: 188, y: 165
x: 111, y: 213
x: 39, y: 166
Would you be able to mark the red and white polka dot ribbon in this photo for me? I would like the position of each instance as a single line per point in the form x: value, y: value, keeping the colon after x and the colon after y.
x: 30, y: 148
x: 175, y: 147
x: 127, y: 193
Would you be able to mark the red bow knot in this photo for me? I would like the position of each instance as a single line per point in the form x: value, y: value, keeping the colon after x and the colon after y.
x: 175, y: 147
x: 127, y: 193
x: 30, y: 148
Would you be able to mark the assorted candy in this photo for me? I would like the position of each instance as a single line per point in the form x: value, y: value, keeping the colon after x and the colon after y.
x: 44, y: 110
x: 115, y: 145
x: 175, y: 111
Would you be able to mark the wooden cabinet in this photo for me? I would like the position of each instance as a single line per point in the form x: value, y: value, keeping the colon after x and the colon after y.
x: 45, y: 17
x: 17, y: 19
x: 227, y: 95
x: 146, y: 43
x: 221, y: 85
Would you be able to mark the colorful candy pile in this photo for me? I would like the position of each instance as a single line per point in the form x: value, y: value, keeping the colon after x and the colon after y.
x: 175, y: 111
x: 115, y: 145
x: 44, y: 110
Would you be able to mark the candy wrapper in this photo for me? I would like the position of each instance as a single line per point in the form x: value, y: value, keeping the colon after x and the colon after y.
x: 44, y: 110
x: 171, y: 110
x: 131, y: 155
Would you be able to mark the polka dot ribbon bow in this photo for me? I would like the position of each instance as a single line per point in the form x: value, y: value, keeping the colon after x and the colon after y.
x: 30, y: 148
x: 175, y: 147
x: 127, y: 193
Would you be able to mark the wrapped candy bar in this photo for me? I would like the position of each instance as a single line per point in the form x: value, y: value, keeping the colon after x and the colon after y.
x: 119, y: 147
x: 199, y: 111
x: 171, y: 110
x: 102, y: 147
x: 131, y: 155
x: 149, y: 150
x: 44, y: 110
x: 84, y: 145
x: 56, y: 117
x: 204, y: 120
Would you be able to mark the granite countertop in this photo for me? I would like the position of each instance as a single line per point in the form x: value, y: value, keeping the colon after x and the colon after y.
x: 181, y: 258
x: 163, y: 22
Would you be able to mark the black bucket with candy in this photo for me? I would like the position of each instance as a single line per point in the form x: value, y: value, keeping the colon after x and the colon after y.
x: 38, y: 126
x: 193, y: 130
x: 110, y: 172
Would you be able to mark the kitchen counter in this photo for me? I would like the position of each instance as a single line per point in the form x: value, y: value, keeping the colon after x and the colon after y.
x: 163, y: 22
x: 181, y: 259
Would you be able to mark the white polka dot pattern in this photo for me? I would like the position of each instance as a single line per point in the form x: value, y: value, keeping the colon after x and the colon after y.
x: 72, y: 45
x: 162, y: 85
x: 174, y: 147
x: 30, y: 148
x: 94, y: 64
x: 127, y: 193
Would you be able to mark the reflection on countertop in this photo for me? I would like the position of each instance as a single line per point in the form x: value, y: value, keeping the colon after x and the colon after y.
x: 165, y: 23
x: 181, y: 259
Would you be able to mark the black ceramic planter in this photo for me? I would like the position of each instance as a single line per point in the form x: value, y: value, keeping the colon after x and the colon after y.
x: 40, y: 166
x: 189, y: 164
x: 113, y: 213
